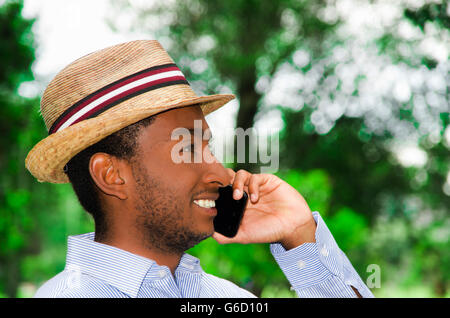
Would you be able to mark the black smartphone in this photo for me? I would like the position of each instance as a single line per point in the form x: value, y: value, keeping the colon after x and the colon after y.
x: 229, y: 212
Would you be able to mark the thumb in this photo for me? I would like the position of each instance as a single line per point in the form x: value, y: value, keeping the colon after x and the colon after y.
x: 222, y: 239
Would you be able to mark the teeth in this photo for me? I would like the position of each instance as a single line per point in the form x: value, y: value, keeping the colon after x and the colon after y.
x: 205, y: 203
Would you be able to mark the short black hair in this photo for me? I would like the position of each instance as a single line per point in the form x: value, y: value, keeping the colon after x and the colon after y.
x: 121, y: 144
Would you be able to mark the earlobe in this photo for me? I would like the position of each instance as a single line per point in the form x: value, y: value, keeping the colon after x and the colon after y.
x: 105, y: 172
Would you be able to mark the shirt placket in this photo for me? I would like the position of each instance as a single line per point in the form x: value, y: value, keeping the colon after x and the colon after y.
x: 160, y: 279
x: 188, y: 283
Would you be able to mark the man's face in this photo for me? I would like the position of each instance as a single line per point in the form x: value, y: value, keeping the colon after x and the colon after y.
x: 164, y: 194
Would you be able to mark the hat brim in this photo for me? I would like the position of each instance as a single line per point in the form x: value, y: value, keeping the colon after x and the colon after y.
x: 47, y: 159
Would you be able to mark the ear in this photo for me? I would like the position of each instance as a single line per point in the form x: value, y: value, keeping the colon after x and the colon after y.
x: 109, y: 174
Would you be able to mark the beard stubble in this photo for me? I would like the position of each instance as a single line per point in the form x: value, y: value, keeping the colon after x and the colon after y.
x: 161, y: 218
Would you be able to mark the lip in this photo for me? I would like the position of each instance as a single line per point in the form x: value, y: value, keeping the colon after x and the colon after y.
x: 212, y: 197
x: 208, y: 211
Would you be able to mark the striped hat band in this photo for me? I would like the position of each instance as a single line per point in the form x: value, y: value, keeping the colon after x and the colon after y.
x: 117, y: 92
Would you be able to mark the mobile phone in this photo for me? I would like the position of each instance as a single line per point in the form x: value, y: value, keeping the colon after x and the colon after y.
x: 229, y: 212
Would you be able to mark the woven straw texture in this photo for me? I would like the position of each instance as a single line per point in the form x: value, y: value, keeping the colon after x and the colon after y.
x: 90, y: 73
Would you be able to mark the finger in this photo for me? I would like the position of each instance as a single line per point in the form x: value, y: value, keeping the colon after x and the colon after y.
x: 253, y: 187
x: 240, y: 179
x: 222, y: 239
x: 232, y: 174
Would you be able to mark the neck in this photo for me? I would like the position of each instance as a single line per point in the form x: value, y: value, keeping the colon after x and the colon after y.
x: 131, y: 243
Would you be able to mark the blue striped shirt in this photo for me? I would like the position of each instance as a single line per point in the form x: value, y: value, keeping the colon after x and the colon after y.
x: 98, y: 270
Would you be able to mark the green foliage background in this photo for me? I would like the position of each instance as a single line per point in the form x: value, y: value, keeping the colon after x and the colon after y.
x: 379, y: 211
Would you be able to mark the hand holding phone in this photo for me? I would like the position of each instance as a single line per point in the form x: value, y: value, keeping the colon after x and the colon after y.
x: 229, y: 212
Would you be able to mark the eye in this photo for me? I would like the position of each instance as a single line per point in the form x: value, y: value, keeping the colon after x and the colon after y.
x: 191, y: 147
x: 211, y: 147
x: 188, y: 148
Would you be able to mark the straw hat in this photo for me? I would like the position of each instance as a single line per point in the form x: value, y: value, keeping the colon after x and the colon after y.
x: 104, y: 92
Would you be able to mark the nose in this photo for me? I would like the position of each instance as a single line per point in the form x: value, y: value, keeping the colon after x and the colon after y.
x: 215, y: 172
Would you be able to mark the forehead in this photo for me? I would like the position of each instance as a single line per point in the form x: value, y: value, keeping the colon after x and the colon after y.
x: 165, y: 123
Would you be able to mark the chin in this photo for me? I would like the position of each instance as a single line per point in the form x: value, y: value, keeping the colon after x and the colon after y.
x: 200, y: 237
x: 205, y: 226
x: 206, y: 232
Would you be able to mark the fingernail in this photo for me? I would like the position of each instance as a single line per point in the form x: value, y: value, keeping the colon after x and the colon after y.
x: 253, y: 197
x: 237, y: 194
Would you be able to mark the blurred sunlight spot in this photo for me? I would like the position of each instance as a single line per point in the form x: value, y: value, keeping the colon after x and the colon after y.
x: 441, y: 234
x: 224, y: 117
x: 26, y: 289
x: 202, y: 45
x: 269, y: 123
x: 284, y: 89
x: 65, y: 31
x: 436, y: 82
x: 416, y: 78
x: 198, y: 66
x: 434, y: 48
x: 410, y: 156
x: 402, y: 91
x: 408, y: 31
x: 334, y: 111
x: 141, y: 3
x: 446, y: 186
x: 29, y: 89
x: 447, y: 137
x: 322, y: 124
x: 263, y: 84
x: 435, y: 100
x: 301, y: 58
x: 328, y: 15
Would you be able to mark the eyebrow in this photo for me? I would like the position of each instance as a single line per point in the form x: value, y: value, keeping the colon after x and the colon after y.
x: 192, y: 130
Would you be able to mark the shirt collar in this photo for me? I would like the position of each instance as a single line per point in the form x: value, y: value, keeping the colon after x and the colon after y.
x: 116, y: 267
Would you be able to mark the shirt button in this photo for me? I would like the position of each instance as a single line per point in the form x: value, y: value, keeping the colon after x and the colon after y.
x: 301, y: 264
x: 162, y: 273
x: 324, y: 251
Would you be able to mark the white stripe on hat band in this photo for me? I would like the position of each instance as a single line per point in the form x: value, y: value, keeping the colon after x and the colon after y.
x: 116, y: 92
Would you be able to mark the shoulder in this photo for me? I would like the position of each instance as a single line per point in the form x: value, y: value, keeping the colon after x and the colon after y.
x: 68, y: 284
x: 214, y: 286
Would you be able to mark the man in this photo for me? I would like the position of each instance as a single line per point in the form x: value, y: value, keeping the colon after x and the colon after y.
x: 110, y: 117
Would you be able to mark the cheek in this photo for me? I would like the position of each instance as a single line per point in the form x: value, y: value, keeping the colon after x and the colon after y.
x: 184, y: 176
x: 181, y: 178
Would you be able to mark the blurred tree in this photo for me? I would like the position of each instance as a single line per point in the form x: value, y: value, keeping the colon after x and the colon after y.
x: 431, y: 248
x: 17, y: 54
x: 350, y: 157
x: 32, y: 214
x: 430, y: 12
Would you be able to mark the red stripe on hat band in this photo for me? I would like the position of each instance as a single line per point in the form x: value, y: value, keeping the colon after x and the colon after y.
x: 87, y: 101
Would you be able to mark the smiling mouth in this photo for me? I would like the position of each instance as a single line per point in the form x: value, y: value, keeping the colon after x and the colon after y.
x: 208, y: 206
x: 205, y: 203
